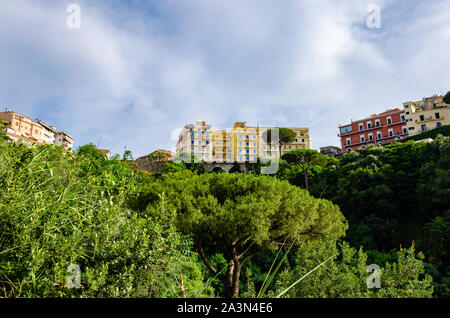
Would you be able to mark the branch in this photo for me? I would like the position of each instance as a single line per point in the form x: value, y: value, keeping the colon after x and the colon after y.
x: 248, y: 257
x: 246, y: 250
x: 205, y: 259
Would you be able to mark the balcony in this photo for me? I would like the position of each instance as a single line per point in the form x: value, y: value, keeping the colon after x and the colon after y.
x: 429, y: 118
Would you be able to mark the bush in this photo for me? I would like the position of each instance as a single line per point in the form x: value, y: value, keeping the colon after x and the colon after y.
x: 58, y: 209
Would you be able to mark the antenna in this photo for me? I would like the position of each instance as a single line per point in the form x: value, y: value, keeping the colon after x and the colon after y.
x: 99, y: 140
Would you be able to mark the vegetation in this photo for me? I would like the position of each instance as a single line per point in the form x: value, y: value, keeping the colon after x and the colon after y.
x: 285, y: 136
x: 391, y: 196
x: 305, y: 159
x: 229, y: 235
x: 446, y: 98
x: 240, y: 215
x: 60, y: 209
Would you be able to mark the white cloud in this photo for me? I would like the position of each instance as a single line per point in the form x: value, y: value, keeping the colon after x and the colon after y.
x: 137, y: 70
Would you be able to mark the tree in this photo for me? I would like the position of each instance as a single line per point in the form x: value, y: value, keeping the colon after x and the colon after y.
x: 127, y: 155
x: 446, y: 98
x: 346, y: 275
x: 240, y: 215
x: 158, y: 157
x: 285, y: 136
x: 305, y: 159
x: 3, y: 135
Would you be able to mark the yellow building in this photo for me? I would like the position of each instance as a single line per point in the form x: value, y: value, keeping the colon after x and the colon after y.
x: 242, y: 144
x: 426, y: 114
x: 245, y: 142
x: 302, y: 140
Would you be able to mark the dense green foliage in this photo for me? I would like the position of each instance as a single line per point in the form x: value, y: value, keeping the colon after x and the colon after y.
x: 347, y: 275
x: 446, y: 98
x: 132, y: 233
x: 391, y: 196
x: 58, y: 209
x: 239, y: 215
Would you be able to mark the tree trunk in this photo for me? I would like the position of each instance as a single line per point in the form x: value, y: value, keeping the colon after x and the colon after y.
x: 229, y: 280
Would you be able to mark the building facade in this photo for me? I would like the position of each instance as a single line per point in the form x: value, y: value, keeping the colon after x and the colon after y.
x: 34, y: 132
x: 241, y: 144
x: 22, y: 127
x: 330, y: 150
x: 426, y: 114
x: 378, y: 129
x: 196, y: 140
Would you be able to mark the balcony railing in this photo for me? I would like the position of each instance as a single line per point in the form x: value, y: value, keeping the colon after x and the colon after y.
x: 429, y: 118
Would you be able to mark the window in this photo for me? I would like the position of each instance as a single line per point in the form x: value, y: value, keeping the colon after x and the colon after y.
x: 303, y: 140
x: 345, y: 130
x: 407, y: 113
x: 370, y: 137
x: 402, y: 117
x: 348, y: 141
x: 391, y: 132
x: 362, y: 138
x: 423, y: 127
x: 369, y: 125
x: 361, y: 127
x: 389, y: 120
x: 379, y: 135
x: 404, y: 129
x: 437, y: 115
x: 406, y: 106
x: 438, y: 124
x: 349, y: 149
x: 422, y: 118
x: 377, y: 123
x: 411, y: 128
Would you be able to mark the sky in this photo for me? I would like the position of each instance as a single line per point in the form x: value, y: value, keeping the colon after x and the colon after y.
x: 135, y: 72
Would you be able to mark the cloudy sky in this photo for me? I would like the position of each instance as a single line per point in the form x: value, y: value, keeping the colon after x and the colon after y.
x: 135, y: 71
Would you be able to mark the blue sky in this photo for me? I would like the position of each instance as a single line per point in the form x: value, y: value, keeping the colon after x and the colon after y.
x: 136, y: 71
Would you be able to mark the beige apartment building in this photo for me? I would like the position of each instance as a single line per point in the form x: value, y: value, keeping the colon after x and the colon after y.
x: 241, y: 144
x: 20, y: 127
x: 426, y: 114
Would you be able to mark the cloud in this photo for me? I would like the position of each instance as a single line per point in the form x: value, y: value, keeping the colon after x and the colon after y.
x: 137, y: 70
